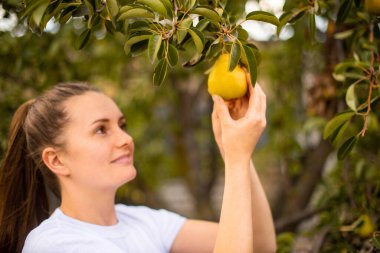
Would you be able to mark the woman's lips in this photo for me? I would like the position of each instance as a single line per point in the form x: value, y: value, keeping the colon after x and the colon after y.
x: 124, y: 159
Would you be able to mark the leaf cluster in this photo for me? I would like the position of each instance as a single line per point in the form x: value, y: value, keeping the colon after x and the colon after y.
x: 163, y: 28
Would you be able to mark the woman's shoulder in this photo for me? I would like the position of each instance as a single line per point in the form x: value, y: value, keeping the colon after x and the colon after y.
x: 48, y: 226
x: 41, y: 238
x: 52, y: 233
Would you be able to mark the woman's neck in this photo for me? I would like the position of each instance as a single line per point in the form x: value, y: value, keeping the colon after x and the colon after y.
x: 92, y: 207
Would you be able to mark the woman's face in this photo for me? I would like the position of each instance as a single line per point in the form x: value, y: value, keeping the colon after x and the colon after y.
x: 98, y: 151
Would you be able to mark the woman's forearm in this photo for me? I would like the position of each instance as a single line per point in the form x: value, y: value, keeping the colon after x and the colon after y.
x: 264, y: 237
x: 235, y: 227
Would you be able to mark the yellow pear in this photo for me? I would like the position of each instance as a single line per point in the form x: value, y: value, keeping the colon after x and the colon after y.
x: 227, y: 84
x: 367, y: 227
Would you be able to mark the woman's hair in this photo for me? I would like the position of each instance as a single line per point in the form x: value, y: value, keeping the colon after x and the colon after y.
x: 24, y: 178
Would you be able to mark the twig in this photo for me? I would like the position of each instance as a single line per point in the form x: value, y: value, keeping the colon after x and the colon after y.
x: 318, y: 241
x: 372, y: 82
x: 296, y: 218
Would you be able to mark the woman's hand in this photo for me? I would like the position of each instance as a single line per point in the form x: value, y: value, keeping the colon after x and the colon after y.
x: 238, y: 124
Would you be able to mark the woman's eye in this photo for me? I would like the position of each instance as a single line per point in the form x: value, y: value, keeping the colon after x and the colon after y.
x: 101, y: 130
x: 123, y: 126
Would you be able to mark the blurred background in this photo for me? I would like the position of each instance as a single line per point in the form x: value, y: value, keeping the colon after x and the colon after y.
x: 319, y: 203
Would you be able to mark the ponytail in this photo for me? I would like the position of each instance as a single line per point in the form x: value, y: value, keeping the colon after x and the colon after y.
x: 23, y: 197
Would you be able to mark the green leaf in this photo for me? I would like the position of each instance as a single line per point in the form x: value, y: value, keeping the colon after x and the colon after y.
x: 346, y: 147
x: 139, y: 48
x: 135, y: 13
x: 137, y: 38
x: 179, y: 3
x: 56, y: 10
x: 83, y: 39
x: 198, y: 39
x: 242, y: 34
x: 283, y: 21
x: 290, y: 17
x: 353, y: 75
x: 350, y: 69
x: 351, y: 99
x: 109, y: 26
x: 190, y: 4
x: 31, y: 7
x: 126, y: 8
x: 90, y: 7
x: 343, y: 66
x: 169, y: 6
x: 234, y: 56
x: 263, y: 16
x: 312, y: 26
x: 66, y: 15
x: 113, y: 7
x: 133, y: 40
x: 256, y: 52
x: 208, y: 13
x: 183, y: 27
x: 82, y: 11
x: 338, y: 134
x: 156, y: 6
x: 197, y: 58
x: 153, y: 46
x: 172, y: 55
x: 93, y: 21
x: 344, y: 35
x: 343, y: 12
x: 251, y: 62
x: 39, y: 12
x: 336, y: 122
x: 202, y: 24
x: 297, y: 14
x: 139, y: 26
x: 160, y: 72
x: 214, y: 49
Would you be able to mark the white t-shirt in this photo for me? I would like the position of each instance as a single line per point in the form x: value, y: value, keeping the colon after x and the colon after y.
x: 139, y: 230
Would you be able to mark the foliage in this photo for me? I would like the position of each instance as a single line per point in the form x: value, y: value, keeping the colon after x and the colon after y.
x: 162, y: 28
x: 358, y: 69
x: 340, y: 103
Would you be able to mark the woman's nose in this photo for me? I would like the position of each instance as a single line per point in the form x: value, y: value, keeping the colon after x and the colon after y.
x: 123, y: 138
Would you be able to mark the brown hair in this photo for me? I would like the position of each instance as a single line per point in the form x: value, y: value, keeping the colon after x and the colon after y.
x: 24, y: 178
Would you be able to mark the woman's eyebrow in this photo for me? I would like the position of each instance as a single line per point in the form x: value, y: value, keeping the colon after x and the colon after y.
x: 106, y: 120
x: 100, y: 120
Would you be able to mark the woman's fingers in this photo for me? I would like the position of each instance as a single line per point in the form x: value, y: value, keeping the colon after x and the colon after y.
x: 221, y: 109
x: 216, y: 128
x: 215, y: 122
x: 257, y: 102
x: 252, y: 100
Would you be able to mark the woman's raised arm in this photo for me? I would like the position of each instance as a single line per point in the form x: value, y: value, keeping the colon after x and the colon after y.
x: 246, y: 218
x: 246, y: 223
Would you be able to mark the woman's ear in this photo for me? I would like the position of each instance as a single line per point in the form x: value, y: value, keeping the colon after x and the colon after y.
x: 53, y: 162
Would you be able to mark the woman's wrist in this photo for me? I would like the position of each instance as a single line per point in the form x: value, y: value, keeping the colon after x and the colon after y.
x: 237, y: 162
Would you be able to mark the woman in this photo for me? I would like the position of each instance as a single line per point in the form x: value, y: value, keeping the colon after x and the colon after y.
x: 72, y: 141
